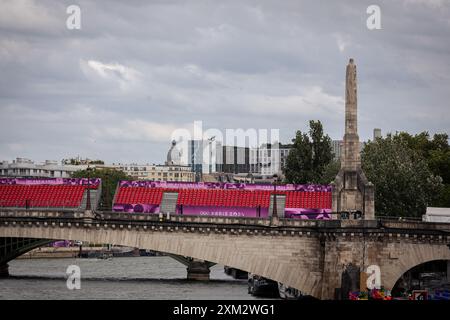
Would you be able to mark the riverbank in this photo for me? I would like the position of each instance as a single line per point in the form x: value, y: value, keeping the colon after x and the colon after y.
x: 74, y: 252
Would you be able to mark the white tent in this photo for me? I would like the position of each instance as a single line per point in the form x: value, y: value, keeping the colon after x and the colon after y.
x: 437, y: 215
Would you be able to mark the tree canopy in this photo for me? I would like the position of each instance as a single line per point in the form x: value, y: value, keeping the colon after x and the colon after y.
x: 410, y: 172
x: 110, y: 178
x: 404, y: 183
x: 436, y: 152
x: 310, y: 155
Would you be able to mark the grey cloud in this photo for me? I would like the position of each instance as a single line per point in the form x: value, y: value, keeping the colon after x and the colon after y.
x: 233, y: 64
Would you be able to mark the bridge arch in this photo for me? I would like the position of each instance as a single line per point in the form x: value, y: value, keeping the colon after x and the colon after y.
x: 414, y: 255
x: 11, y: 248
x: 278, y: 258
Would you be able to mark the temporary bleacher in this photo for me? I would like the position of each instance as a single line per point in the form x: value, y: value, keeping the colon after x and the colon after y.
x: 222, y: 197
x: 48, y: 193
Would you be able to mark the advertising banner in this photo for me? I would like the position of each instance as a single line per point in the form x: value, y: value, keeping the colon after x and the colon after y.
x: 294, y: 213
x: 223, y: 185
x: 51, y: 181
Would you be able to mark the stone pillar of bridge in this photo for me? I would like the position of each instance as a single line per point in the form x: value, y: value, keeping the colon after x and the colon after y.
x: 198, y: 270
x: 4, y: 271
x: 352, y: 192
x: 448, y: 270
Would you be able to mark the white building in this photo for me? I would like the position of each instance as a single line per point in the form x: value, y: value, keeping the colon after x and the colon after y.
x: 267, y: 160
x: 23, y: 168
x: 336, y: 148
x: 376, y: 134
x: 155, y: 172
x: 434, y: 214
x: 204, y: 156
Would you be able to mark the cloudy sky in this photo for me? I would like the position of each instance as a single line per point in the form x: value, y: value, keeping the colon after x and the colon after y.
x: 137, y: 70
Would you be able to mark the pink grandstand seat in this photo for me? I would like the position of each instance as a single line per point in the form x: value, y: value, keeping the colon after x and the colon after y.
x: 42, y: 195
x: 223, y: 197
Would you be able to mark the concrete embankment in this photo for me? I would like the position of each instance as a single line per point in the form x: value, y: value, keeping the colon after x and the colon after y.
x: 72, y: 252
x: 50, y: 252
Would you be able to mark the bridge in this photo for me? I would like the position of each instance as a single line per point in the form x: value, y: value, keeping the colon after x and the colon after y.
x: 322, y: 258
x: 313, y: 256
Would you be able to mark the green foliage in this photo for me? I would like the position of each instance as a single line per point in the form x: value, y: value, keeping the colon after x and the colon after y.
x: 443, y: 200
x: 404, y: 184
x: 309, y: 156
x: 330, y: 172
x: 96, y: 162
x: 78, y: 161
x: 436, y: 152
x: 110, y: 178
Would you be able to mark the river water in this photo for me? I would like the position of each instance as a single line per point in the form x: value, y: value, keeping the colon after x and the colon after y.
x: 117, y: 278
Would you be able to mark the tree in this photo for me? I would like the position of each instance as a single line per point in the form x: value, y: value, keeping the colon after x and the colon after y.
x: 309, y: 156
x: 330, y: 172
x: 404, y: 184
x: 110, y: 178
x: 436, y: 153
x: 78, y: 161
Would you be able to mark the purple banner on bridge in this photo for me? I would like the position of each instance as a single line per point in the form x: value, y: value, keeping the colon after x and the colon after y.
x: 294, y: 213
x: 136, y: 208
x: 222, y: 185
x: 302, y: 213
x: 51, y: 181
x: 222, y: 211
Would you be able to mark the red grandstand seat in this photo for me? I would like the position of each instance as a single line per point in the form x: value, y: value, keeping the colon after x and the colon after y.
x: 35, y: 195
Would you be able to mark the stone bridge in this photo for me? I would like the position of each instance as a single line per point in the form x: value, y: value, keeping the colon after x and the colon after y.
x: 310, y: 255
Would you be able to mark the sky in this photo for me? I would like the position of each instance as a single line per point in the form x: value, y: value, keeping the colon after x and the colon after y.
x: 117, y: 88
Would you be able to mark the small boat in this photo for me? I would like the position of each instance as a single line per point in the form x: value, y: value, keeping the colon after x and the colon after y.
x: 263, y: 287
x: 288, y: 293
x: 105, y: 255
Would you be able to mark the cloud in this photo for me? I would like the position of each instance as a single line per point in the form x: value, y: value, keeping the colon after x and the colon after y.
x: 28, y: 16
x: 136, y: 130
x: 342, y: 41
x: 117, y: 88
x: 126, y: 77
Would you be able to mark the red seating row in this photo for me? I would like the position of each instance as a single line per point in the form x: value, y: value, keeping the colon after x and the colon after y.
x: 316, y: 199
x: 41, y: 195
x: 224, y: 197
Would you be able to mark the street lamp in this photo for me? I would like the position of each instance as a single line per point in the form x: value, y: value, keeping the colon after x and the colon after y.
x: 275, y: 181
x: 88, y: 200
x: 210, y: 140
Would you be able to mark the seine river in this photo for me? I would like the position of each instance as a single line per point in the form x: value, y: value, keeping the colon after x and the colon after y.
x: 116, y: 278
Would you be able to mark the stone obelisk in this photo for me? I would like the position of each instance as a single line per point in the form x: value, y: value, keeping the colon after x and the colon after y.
x: 352, y: 192
x: 351, y: 159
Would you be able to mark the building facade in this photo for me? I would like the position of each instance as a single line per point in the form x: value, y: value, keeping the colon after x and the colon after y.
x: 233, y: 160
x: 269, y: 160
x: 205, y: 156
x: 156, y: 172
x: 376, y: 133
x: 26, y: 168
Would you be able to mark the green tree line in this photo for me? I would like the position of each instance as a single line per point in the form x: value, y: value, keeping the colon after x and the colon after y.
x: 410, y: 172
x: 110, y: 178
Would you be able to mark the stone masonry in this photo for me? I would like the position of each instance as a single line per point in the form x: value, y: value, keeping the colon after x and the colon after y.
x: 311, y: 256
x: 351, y: 190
